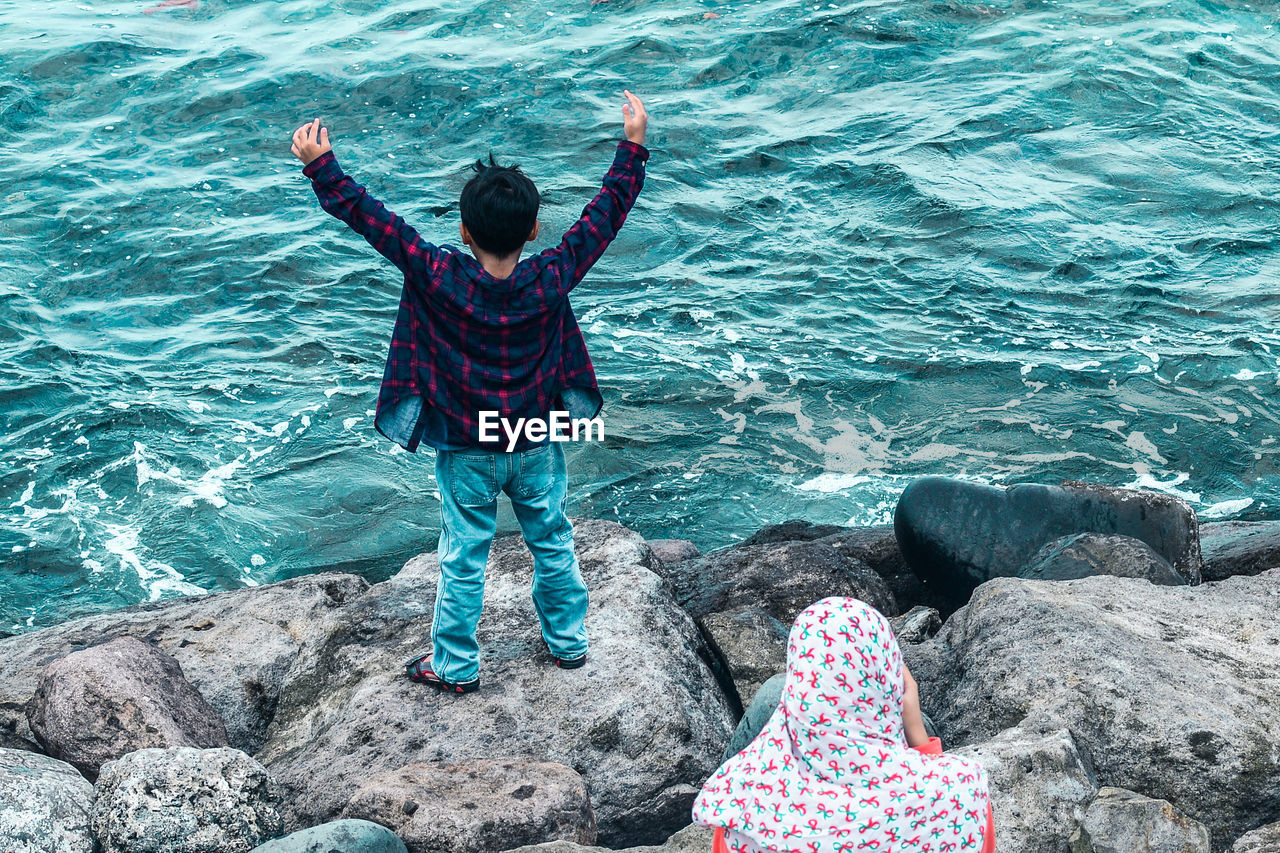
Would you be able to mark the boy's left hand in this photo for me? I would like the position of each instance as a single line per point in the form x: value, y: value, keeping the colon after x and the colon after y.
x: 310, y: 141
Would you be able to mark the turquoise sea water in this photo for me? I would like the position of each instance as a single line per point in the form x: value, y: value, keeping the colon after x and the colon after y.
x: 1003, y: 240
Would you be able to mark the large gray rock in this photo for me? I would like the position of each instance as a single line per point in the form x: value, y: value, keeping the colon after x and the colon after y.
x: 691, y: 839
x: 479, y: 806
x: 1084, y: 555
x: 1120, y: 821
x: 746, y: 597
x: 1039, y: 786
x: 1264, y: 839
x: 338, y: 836
x: 779, y: 579
x: 185, y: 800
x: 644, y: 721
x: 1239, y: 548
x: 96, y: 705
x: 45, y: 805
x: 1171, y: 691
x: 752, y: 644
x: 876, y: 547
x: 957, y: 534
x: 234, y: 647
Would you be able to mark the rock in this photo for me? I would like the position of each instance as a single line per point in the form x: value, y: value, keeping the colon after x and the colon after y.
x: 1084, y: 555
x: 644, y: 721
x: 763, y: 703
x: 956, y: 534
x: 9, y: 740
x: 672, y: 551
x: 234, y: 647
x: 479, y: 806
x: 96, y: 705
x: 1172, y: 691
x: 339, y: 836
x: 691, y: 839
x: 878, y: 548
x: 1239, y: 548
x: 752, y: 644
x: 918, y: 625
x: 1120, y: 821
x: 45, y: 805
x: 780, y: 580
x: 759, y: 590
x: 795, y: 530
x: 1039, y: 787
x: 1264, y: 839
x: 185, y: 800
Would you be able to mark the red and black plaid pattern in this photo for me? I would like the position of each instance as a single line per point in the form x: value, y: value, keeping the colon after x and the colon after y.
x: 466, y: 342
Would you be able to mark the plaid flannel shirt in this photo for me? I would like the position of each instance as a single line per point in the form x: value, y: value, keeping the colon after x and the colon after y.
x: 465, y: 342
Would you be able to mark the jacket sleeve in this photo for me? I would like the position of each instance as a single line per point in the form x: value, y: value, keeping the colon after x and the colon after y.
x: 395, y: 239
x: 585, y: 242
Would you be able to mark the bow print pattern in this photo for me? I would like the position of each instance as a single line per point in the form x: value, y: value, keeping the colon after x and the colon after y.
x: 831, y: 771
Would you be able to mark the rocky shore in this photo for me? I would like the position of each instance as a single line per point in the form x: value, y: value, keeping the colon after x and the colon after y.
x: 1114, y: 666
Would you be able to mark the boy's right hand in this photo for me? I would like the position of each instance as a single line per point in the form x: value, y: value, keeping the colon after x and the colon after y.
x: 310, y: 141
x: 634, y: 119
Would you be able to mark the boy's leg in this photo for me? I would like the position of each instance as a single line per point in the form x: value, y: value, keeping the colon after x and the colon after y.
x: 538, y: 494
x: 468, y: 517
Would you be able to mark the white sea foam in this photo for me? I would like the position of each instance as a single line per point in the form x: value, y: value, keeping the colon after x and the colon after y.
x: 1222, y: 509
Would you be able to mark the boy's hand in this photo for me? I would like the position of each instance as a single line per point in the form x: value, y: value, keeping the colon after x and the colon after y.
x: 634, y: 118
x: 310, y: 141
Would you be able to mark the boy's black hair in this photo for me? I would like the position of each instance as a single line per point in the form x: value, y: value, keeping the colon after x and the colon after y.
x: 499, y: 206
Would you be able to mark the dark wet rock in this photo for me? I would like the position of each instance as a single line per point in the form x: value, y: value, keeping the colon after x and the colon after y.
x: 746, y: 597
x: 185, y: 800
x: 45, y: 805
x: 479, y: 806
x: 752, y: 644
x: 916, y: 626
x: 9, y: 740
x: 1120, y: 821
x: 1239, y: 548
x: 780, y: 580
x: 234, y: 647
x: 1039, y: 784
x: 1084, y: 555
x: 644, y: 722
x: 339, y: 836
x: 1264, y: 839
x: 956, y: 534
x: 796, y: 530
x: 672, y: 551
x: 691, y: 839
x: 1172, y: 691
x: 878, y: 548
x: 96, y: 705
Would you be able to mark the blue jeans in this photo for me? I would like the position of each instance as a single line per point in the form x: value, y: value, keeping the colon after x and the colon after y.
x: 537, y: 483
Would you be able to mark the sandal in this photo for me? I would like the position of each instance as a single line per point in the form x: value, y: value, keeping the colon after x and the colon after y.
x: 419, y: 672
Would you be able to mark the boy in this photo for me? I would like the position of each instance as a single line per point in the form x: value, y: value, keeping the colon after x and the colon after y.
x: 486, y: 338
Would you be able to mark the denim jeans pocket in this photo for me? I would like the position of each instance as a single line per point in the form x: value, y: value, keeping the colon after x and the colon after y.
x: 473, y: 480
x: 537, y: 472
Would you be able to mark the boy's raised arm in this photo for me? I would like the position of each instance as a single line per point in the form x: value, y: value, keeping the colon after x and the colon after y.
x: 585, y: 242
x: 343, y: 198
